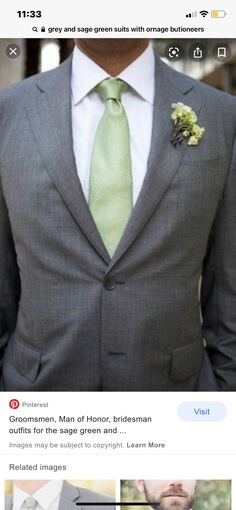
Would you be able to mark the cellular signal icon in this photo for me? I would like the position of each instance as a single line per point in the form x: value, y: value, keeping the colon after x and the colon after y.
x: 191, y: 14
x: 204, y: 13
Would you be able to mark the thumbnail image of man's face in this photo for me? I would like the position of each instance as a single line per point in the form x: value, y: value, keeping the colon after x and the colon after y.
x: 168, y: 494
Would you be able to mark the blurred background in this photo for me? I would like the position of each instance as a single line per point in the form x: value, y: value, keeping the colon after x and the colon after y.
x: 101, y: 486
x: 199, y: 59
x: 211, y: 495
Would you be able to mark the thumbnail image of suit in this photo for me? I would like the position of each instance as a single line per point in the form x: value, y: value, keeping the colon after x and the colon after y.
x: 53, y: 495
x: 89, y: 300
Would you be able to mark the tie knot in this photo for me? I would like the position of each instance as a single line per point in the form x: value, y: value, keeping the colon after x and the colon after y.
x: 30, y: 503
x: 111, y: 89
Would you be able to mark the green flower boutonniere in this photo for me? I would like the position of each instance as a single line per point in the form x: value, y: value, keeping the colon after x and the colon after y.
x: 185, y: 121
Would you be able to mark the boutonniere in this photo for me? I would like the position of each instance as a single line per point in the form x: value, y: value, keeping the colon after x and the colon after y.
x: 185, y: 122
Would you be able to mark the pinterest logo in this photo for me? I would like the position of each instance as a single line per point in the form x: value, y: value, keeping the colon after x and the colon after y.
x: 14, y: 403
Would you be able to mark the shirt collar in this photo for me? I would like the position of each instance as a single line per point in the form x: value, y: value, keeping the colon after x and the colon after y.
x: 86, y: 74
x: 45, y: 495
x: 19, y: 497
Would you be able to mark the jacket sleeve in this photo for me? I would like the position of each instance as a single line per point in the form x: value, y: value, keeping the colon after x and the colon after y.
x: 218, y: 294
x: 9, y: 279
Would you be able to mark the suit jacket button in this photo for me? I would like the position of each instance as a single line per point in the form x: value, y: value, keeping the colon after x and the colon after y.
x: 109, y: 283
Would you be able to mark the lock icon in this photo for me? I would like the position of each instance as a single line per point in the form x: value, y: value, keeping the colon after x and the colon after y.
x: 43, y: 29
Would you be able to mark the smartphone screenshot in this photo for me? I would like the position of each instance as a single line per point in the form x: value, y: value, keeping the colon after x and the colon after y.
x: 117, y: 256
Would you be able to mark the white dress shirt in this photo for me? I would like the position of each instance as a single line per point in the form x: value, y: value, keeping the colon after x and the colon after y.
x: 88, y: 108
x: 48, y: 496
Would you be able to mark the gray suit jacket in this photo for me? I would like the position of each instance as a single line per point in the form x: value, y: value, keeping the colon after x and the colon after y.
x: 72, y: 498
x: 71, y: 318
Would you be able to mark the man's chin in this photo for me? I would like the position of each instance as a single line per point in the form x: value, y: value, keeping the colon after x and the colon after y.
x: 174, y: 503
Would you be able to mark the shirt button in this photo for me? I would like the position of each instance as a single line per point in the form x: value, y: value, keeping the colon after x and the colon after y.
x: 109, y: 283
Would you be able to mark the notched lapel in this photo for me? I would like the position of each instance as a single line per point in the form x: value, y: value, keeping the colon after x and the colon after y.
x: 164, y: 159
x: 70, y: 495
x: 49, y: 112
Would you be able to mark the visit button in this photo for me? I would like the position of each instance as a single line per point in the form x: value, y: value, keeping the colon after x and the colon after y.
x: 202, y: 411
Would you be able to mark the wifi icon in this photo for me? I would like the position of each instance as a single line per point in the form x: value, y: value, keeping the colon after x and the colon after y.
x: 204, y: 13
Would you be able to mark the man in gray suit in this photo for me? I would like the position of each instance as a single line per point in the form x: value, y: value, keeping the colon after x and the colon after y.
x: 107, y: 227
x: 54, y: 495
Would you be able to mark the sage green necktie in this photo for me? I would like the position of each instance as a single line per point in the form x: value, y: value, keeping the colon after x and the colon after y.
x: 110, y: 188
x: 30, y: 503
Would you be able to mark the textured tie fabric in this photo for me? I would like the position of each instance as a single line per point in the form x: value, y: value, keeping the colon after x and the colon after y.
x: 110, y: 187
x: 30, y: 503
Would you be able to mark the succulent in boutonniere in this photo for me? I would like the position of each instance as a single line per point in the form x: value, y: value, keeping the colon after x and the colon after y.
x: 185, y: 122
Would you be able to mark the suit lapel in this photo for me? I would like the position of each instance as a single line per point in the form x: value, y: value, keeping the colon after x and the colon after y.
x: 164, y: 159
x: 70, y: 495
x: 49, y: 112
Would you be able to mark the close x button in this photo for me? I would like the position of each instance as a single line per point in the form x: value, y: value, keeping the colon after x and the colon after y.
x: 109, y: 283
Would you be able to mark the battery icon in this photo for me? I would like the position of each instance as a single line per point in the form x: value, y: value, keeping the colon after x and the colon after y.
x: 218, y: 14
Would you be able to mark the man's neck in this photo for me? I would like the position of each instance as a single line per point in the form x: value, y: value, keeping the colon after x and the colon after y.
x: 30, y: 486
x: 111, y: 61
